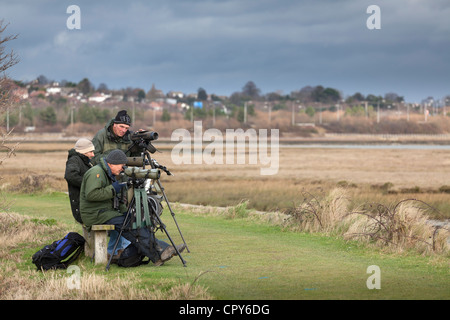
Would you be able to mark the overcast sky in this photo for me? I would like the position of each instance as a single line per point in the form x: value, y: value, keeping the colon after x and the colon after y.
x: 220, y: 45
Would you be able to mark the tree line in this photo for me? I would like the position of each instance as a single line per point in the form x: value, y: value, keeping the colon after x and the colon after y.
x: 250, y: 91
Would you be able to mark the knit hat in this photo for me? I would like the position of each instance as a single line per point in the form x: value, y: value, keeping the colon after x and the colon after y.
x: 123, y: 117
x: 84, y: 145
x: 116, y: 156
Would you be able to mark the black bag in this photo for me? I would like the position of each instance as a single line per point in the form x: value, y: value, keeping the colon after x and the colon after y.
x: 131, y: 257
x: 60, y: 254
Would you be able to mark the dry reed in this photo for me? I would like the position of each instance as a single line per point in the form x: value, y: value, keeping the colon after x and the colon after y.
x: 320, y: 214
x: 402, y: 227
x: 398, y: 228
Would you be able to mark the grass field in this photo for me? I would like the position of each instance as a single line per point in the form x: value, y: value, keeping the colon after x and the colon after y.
x: 237, y: 259
x: 236, y: 255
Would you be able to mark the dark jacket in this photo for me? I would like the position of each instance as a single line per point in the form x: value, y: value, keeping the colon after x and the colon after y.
x: 97, y: 196
x: 76, y: 166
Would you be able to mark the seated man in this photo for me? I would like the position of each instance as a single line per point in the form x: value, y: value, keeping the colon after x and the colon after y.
x: 98, y: 190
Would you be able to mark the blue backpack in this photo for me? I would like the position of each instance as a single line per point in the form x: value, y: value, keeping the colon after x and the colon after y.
x: 60, y: 254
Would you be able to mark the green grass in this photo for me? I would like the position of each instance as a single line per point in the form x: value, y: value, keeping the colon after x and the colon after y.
x: 242, y: 259
x: 54, y: 205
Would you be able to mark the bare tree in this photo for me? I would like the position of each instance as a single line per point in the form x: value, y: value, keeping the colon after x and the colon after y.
x: 7, y: 60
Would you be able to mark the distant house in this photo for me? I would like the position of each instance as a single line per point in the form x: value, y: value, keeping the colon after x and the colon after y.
x: 183, y: 106
x: 117, y: 97
x: 99, y: 97
x: 20, y: 93
x: 175, y: 94
x: 53, y: 90
x: 171, y: 102
x: 156, y: 105
x: 65, y: 91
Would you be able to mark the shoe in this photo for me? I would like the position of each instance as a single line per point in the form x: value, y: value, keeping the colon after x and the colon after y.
x: 158, y: 263
x: 180, y: 248
x: 168, y: 253
x: 116, y: 257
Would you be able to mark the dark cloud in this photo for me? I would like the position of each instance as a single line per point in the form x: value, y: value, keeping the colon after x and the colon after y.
x: 220, y: 45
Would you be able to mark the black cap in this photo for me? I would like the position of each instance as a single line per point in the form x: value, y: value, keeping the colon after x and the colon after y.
x: 116, y: 156
x: 123, y: 117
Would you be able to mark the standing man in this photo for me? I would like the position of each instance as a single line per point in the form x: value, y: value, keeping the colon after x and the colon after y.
x: 115, y: 135
x: 78, y: 162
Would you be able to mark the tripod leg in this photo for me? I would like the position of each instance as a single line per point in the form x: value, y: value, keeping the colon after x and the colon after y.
x: 114, y: 250
x: 170, y: 238
x: 120, y: 234
x: 172, y: 213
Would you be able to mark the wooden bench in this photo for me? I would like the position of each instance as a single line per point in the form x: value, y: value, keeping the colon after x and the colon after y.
x: 96, y: 244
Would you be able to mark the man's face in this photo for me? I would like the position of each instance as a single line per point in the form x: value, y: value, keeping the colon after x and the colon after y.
x: 116, y: 169
x: 120, y: 129
x: 89, y: 154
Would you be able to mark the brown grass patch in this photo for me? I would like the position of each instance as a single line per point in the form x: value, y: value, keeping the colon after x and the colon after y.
x: 52, y: 285
x: 371, y: 175
x: 19, y: 233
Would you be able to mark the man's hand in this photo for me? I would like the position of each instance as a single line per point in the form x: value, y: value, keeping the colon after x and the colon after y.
x: 118, y: 186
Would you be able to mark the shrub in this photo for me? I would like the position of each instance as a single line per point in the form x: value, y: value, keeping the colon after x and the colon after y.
x: 321, y: 214
x: 403, y: 226
x: 32, y: 183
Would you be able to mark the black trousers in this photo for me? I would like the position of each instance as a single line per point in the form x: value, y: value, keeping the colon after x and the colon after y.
x: 142, y: 238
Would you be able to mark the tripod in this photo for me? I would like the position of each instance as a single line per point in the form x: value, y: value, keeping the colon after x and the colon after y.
x: 141, y: 198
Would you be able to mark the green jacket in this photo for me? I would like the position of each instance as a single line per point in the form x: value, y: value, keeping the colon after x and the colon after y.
x: 97, y: 196
x: 105, y: 141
